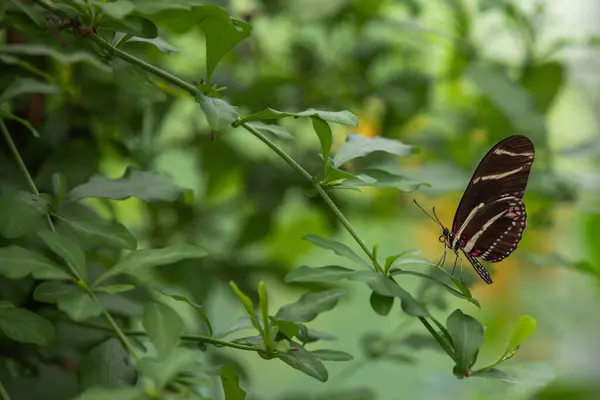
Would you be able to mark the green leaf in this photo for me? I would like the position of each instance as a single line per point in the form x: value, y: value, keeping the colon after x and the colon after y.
x: 359, y: 146
x: 49, y: 292
x: 288, y: 328
x: 330, y: 273
x: 148, y: 186
x: 106, y: 365
x: 310, y: 305
x: 382, y: 179
x: 495, y: 374
x: 139, y: 260
x: 543, y: 82
x: 25, y: 326
x: 20, y: 86
x: 7, y: 115
x: 339, y: 248
x: 135, y: 81
x: 79, y: 306
x: 129, y: 393
x: 248, y: 305
x: 99, y: 231
x: 242, y: 324
x: 116, y: 9
x: 162, y: 372
x: 21, y: 214
x: 301, y: 359
x: 307, y: 335
x: 200, y: 309
x: 150, y: 7
x: 339, y: 117
x: 514, y: 102
x: 43, y: 50
x: 68, y: 250
x: 323, y: 131
x: 218, y: 112
x: 454, y: 292
x: 381, y: 304
x: 34, y: 13
x: 114, y: 289
x: 390, y: 260
x: 331, y: 355
x: 467, y: 336
x: 523, y: 329
x: 164, y: 327
x: 131, y: 24
x: 17, y: 262
x: 271, y: 130
x: 222, y: 34
x: 59, y: 186
x: 231, y: 385
x: 157, y: 42
x: 263, y: 305
x: 386, y: 287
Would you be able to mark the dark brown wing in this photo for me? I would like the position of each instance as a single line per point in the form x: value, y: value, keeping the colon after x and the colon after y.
x: 495, y: 229
x: 503, y: 171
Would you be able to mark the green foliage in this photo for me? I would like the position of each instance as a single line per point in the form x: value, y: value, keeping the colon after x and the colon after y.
x: 86, y: 96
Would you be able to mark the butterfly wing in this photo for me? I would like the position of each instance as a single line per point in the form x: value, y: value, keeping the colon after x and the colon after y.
x: 503, y: 171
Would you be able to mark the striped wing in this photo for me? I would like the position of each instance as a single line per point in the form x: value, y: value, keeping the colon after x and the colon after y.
x: 503, y: 171
x: 495, y: 230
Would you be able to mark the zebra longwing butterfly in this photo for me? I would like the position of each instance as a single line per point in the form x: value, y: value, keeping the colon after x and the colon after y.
x: 491, y: 216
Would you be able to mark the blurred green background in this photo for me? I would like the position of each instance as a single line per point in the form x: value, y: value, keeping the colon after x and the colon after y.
x: 452, y: 77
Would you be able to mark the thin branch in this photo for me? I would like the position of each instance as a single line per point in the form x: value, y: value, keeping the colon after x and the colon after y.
x: 3, y: 393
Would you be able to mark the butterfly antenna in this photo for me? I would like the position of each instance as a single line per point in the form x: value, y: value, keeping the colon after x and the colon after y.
x: 426, y: 213
x: 437, y: 218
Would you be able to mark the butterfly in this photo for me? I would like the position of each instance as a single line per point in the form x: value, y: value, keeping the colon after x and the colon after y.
x: 491, y: 217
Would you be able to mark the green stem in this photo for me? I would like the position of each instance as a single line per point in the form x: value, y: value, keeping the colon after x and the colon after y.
x: 3, y: 393
x: 188, y: 337
x: 22, y: 167
x: 437, y: 337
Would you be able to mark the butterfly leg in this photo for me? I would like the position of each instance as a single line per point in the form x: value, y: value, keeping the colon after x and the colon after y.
x: 455, y: 260
x: 442, y: 259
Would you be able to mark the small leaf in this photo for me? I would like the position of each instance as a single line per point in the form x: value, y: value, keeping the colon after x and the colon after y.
x: 390, y: 260
x: 323, y: 131
x: 7, y: 115
x: 21, y: 86
x: 359, y: 146
x: 79, y: 306
x: 384, y: 286
x: 131, y: 24
x: 219, y: 113
x: 454, y: 292
x: 310, y: 305
x: 222, y: 33
x: 381, y: 304
x: 114, y: 289
x: 263, y: 305
x: 49, y: 292
x: 17, y: 262
x: 116, y: 9
x: 307, y: 335
x: 231, y: 385
x: 164, y: 327
x: 200, y: 309
x: 135, y: 81
x: 126, y: 393
x: 59, y: 186
x: 148, y: 186
x: 331, y: 355
x: 242, y: 324
x: 248, y: 305
x: 339, y: 117
x: 99, y: 231
x: 330, y: 273
x: 524, y: 328
x: 25, y: 326
x: 467, y: 336
x: 288, y: 328
x: 21, y: 214
x: 139, y: 260
x: 382, y: 179
x: 301, y: 359
x: 68, y: 250
x: 271, y: 129
x: 339, y: 248
x: 106, y: 365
